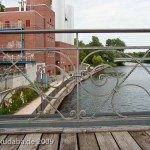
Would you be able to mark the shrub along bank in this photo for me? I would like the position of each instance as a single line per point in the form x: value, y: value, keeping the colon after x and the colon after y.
x: 18, y: 99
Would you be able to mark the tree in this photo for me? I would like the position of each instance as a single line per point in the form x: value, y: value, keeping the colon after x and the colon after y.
x: 2, y: 7
x: 97, y: 60
x: 82, y: 53
x: 115, y: 42
x: 108, y: 56
x: 80, y: 43
x: 95, y: 42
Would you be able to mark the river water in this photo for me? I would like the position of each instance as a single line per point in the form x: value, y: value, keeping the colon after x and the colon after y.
x: 128, y: 99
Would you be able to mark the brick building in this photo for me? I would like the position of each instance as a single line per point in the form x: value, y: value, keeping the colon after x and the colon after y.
x: 35, y: 14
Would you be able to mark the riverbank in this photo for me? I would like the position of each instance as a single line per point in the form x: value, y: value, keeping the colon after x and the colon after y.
x: 34, y: 106
x: 30, y: 108
x: 59, y: 97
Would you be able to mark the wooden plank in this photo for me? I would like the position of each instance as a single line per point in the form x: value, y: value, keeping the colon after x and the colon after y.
x: 68, y: 142
x: 148, y: 132
x: 106, y: 141
x: 73, y: 130
x: 142, y: 138
x: 87, y: 141
x: 106, y: 129
x: 2, y: 137
x: 125, y: 141
x: 31, y: 130
x: 50, y: 142
x: 31, y: 141
x: 12, y: 142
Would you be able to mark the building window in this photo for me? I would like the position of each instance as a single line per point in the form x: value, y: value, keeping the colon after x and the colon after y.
x: 7, y: 24
x: 27, y: 23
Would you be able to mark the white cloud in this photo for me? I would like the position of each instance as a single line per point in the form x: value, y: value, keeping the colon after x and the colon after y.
x: 113, y: 14
x: 10, y: 3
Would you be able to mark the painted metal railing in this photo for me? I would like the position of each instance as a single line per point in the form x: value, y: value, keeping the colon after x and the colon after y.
x: 15, y: 58
x: 10, y: 25
x: 79, y: 74
x: 11, y: 45
x: 129, y: 59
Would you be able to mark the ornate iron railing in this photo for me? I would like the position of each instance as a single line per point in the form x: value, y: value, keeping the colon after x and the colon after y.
x: 77, y: 74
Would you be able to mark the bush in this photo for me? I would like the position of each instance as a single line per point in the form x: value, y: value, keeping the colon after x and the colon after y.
x: 18, y: 99
x: 97, y: 60
x: 4, y: 109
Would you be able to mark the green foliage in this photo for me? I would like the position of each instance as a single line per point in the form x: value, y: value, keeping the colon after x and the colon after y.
x: 45, y: 89
x: 82, y: 55
x: 29, y: 95
x: 95, y: 42
x: 137, y: 54
x: 80, y: 43
x: 4, y: 109
x: 106, y: 56
x: 140, y: 55
x: 97, y: 60
x: 111, y: 64
x: 115, y: 42
x: 18, y: 99
x: 2, y: 7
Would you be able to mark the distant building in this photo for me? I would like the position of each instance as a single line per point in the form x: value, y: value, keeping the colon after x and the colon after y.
x: 34, y: 15
x: 64, y: 19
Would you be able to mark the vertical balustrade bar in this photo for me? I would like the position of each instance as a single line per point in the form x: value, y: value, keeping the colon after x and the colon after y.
x: 77, y: 76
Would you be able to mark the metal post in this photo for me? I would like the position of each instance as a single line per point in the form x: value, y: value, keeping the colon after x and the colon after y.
x: 77, y: 76
x: 21, y: 45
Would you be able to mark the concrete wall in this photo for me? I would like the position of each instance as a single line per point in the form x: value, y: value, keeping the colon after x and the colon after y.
x: 19, y: 80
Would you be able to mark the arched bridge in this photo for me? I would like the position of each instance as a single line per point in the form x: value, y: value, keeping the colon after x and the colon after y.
x: 130, y: 59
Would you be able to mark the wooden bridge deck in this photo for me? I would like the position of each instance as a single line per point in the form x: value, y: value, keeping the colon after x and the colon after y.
x: 74, y: 140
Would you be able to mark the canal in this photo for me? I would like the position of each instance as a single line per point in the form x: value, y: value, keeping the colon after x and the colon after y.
x: 127, y: 99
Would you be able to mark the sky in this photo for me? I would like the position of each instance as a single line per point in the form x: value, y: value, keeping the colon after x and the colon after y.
x: 102, y: 14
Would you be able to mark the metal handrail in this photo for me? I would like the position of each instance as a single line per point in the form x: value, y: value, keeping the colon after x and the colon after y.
x: 138, y: 30
x: 112, y: 48
x: 10, y: 25
x: 15, y: 58
x: 78, y: 73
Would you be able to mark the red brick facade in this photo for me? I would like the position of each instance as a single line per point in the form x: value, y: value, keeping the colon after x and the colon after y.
x: 40, y: 17
x: 37, y: 2
x: 64, y: 62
